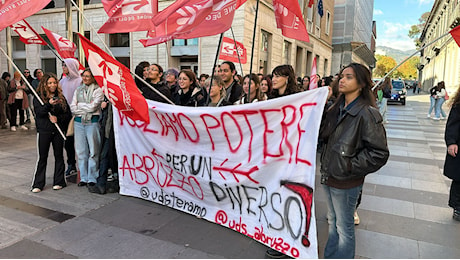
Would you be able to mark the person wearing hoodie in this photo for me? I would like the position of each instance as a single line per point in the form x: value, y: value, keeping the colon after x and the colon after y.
x: 69, y: 84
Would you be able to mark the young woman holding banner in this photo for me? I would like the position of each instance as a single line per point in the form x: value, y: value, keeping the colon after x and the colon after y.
x: 355, y: 145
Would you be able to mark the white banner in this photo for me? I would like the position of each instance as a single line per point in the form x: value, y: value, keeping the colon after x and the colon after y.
x: 250, y: 168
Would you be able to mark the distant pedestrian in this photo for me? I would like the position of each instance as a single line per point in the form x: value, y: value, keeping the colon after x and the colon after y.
x: 355, y: 145
x: 432, y: 100
x: 54, y: 110
x: 305, y: 83
x: 452, y: 162
x: 266, y: 86
x: 18, y: 101
x: 440, y: 99
x: 86, y: 107
x: 3, y: 101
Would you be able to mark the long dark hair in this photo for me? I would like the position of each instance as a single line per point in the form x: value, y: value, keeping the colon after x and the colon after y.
x: 46, y: 95
x: 364, y: 80
x: 259, y: 95
x: 286, y: 71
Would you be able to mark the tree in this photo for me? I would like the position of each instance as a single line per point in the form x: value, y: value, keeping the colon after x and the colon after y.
x: 408, y: 69
x: 383, y: 66
x: 416, y: 30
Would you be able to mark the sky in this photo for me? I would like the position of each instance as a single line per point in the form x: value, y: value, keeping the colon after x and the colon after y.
x: 394, y: 19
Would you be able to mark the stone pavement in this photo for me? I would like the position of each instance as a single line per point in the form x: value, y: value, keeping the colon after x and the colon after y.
x: 404, y: 212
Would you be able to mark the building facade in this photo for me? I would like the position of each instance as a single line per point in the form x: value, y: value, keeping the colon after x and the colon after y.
x: 440, y: 61
x: 354, y: 34
x: 271, y: 48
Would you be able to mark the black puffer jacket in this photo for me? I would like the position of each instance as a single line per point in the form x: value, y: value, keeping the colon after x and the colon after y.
x: 42, y: 120
x: 356, y: 144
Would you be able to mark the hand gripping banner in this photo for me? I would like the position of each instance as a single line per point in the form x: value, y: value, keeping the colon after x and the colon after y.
x: 250, y: 168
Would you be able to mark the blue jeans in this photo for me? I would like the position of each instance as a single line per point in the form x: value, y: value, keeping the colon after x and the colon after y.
x: 432, y: 102
x: 341, y: 204
x: 88, y: 149
x: 383, y: 109
x: 438, y: 107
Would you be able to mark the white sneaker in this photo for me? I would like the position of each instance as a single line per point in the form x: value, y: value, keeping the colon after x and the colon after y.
x: 13, y: 128
x: 443, y: 118
x: 23, y: 127
x: 428, y: 116
x: 436, y: 118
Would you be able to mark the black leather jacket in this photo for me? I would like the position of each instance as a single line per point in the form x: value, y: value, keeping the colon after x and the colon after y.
x: 356, y: 146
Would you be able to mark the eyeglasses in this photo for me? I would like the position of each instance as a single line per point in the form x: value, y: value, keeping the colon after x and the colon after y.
x: 26, y: 72
x: 154, y: 69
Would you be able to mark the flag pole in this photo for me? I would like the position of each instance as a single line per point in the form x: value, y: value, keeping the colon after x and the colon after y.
x: 32, y: 89
x: 215, y: 63
x: 111, y: 54
x: 252, y: 49
x: 406, y: 59
x: 236, y: 48
x: 54, y: 52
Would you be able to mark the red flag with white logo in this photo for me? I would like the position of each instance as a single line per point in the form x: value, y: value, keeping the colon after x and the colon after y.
x: 129, y: 15
x: 310, y: 3
x: 186, y: 19
x: 26, y: 33
x: 12, y: 11
x: 232, y: 51
x: 116, y: 81
x: 313, y: 76
x: 63, y: 46
x: 456, y: 34
x: 290, y: 20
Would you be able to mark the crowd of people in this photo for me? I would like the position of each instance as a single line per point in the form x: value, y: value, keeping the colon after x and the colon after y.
x: 352, y: 137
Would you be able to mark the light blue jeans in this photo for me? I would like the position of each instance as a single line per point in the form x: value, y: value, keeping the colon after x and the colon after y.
x: 383, y: 109
x: 341, y: 204
x: 88, y: 149
x: 438, y: 107
x: 432, y: 103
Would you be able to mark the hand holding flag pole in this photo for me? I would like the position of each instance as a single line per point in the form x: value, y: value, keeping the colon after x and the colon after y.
x: 32, y: 89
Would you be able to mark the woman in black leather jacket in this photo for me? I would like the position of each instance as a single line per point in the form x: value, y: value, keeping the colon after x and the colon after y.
x: 355, y: 145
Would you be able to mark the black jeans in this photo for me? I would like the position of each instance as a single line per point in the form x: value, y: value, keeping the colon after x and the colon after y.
x: 17, y: 105
x: 454, y: 196
x: 43, y: 142
x: 70, y: 150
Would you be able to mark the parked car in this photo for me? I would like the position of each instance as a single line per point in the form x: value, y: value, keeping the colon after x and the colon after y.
x: 399, y: 92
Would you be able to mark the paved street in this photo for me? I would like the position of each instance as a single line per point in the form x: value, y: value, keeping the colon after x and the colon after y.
x: 404, y: 212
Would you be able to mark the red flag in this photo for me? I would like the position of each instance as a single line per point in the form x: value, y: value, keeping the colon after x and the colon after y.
x: 290, y: 20
x: 129, y: 15
x: 63, y: 46
x: 26, y: 33
x: 456, y: 34
x: 12, y: 11
x: 310, y: 4
x: 313, y: 77
x: 117, y: 82
x: 192, y: 19
x: 229, y: 52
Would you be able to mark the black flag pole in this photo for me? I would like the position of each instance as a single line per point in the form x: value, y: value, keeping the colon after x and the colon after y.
x: 215, y: 64
x: 252, y: 49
